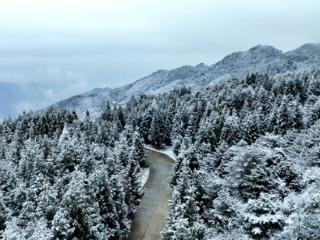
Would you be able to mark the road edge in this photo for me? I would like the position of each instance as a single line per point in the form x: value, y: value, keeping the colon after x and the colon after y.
x: 166, y: 152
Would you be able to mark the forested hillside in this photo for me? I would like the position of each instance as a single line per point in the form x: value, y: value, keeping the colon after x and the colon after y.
x: 248, y: 164
x: 248, y: 157
x: 61, y: 178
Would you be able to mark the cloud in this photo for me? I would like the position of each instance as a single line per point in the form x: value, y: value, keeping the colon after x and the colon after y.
x: 69, y: 47
x: 39, y: 88
x: 10, y: 77
x: 61, y: 83
x: 24, y: 106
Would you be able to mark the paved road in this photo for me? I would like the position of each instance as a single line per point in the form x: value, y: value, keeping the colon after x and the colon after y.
x: 153, y: 209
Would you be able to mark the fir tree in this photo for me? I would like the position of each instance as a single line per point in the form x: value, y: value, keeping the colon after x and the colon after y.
x: 184, y: 221
x: 262, y: 216
x: 138, y: 153
x: 283, y: 118
x: 297, y: 118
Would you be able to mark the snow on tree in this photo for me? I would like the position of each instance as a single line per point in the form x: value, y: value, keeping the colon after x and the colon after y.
x: 65, y: 137
x: 62, y: 225
x: 304, y: 215
x: 138, y: 154
x: 283, y: 118
x: 262, y: 217
x: 247, y: 165
x: 231, y: 132
x: 51, y: 180
x: 158, y: 130
x: 3, y: 217
x: 184, y: 221
x: 134, y: 190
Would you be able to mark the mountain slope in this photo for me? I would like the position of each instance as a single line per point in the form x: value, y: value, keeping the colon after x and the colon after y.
x: 263, y: 59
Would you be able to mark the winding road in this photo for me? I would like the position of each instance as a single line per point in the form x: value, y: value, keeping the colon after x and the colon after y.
x: 151, y: 216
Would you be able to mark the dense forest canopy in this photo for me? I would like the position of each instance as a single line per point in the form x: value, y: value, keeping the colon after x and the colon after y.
x: 61, y: 178
x: 248, y: 156
x: 248, y: 164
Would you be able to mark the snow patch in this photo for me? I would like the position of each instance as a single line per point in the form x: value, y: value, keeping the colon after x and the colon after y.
x: 168, y: 151
x: 144, y: 175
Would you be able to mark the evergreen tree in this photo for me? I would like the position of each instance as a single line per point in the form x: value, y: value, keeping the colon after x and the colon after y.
x: 122, y: 152
x: 184, y: 221
x: 65, y: 137
x: 3, y: 217
x: 304, y: 220
x: 249, y: 173
x: 62, y: 225
x: 145, y: 124
x: 177, y: 145
x: 122, y: 211
x: 314, y: 114
x: 297, y: 118
x: 157, y: 130
x: 104, y: 194
x: 262, y: 216
x: 222, y: 215
x: 83, y: 210
x: 107, y: 115
x: 283, y: 118
x: 231, y: 131
x: 251, y: 128
x: 134, y: 189
x: 138, y: 153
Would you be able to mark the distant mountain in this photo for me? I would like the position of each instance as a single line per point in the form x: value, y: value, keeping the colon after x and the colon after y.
x: 262, y: 59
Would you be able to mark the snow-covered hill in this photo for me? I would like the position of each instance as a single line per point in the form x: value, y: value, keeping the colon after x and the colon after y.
x: 263, y: 59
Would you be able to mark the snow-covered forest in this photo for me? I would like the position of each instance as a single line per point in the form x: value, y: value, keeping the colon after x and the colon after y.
x: 248, y: 164
x: 248, y: 157
x: 61, y: 178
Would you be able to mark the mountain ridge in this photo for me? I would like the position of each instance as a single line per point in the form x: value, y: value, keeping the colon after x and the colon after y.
x: 259, y: 59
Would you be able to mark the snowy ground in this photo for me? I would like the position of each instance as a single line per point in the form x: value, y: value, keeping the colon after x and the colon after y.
x: 168, y: 151
x: 144, y: 175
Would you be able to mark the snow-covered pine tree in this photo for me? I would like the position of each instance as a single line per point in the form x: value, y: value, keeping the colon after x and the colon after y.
x: 184, y: 221
x: 262, y: 217
x: 137, y: 153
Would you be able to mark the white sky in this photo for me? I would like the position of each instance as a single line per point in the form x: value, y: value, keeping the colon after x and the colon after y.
x: 71, y: 46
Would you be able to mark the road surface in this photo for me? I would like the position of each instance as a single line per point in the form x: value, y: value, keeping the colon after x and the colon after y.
x: 151, y: 216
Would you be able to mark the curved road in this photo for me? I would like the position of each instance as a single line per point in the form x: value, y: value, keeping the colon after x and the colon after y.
x: 151, y: 216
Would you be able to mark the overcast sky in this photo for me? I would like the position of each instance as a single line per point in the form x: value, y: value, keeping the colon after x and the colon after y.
x: 71, y: 46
